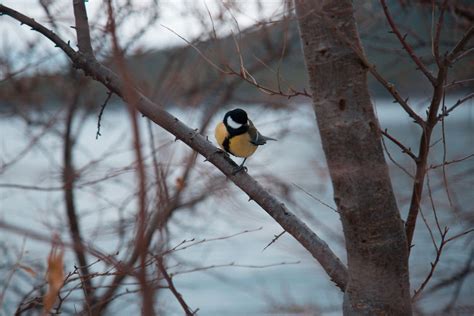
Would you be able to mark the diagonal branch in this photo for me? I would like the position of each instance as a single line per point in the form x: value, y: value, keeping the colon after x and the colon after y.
x: 187, y: 310
x: 445, y: 112
x: 406, y: 46
x: 404, y: 149
x: 458, y: 49
x: 277, y: 210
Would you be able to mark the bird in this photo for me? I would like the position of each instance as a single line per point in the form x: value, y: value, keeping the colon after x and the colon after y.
x: 237, y: 135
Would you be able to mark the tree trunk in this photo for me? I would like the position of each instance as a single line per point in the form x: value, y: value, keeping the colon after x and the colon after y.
x: 376, y: 245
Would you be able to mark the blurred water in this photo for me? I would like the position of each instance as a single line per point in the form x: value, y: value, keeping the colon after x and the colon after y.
x: 296, y: 158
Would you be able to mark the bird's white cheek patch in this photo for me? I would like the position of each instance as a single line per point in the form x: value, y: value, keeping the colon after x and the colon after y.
x: 233, y: 123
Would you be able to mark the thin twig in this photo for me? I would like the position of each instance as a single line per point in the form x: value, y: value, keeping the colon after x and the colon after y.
x: 437, y: 34
x: 132, y: 98
x: 373, y: 70
x: 406, y: 46
x: 433, y: 264
x: 316, y: 198
x: 446, y: 112
x: 404, y: 149
x: 82, y: 28
x: 185, y: 244
x: 394, y: 161
x: 449, y: 162
x: 169, y: 280
x: 459, y: 47
x: 273, y: 240
x: 445, y: 153
x: 99, y: 119
x: 237, y: 265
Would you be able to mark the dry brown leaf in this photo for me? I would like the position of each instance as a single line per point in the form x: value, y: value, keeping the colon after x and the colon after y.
x: 54, y: 277
x: 27, y: 269
x: 180, y: 183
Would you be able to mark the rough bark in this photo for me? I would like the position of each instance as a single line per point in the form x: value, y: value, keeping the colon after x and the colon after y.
x: 377, y: 251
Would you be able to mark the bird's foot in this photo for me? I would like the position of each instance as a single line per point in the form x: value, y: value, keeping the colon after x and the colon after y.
x: 239, y: 169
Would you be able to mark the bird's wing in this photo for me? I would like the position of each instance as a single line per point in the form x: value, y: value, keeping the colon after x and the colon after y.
x: 255, y: 137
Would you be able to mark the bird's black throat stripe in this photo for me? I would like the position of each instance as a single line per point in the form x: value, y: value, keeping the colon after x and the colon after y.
x: 226, y: 144
x: 231, y: 133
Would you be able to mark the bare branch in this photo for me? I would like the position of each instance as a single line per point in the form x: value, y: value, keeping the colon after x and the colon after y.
x: 185, y: 244
x: 237, y: 265
x: 449, y: 162
x: 394, y: 161
x: 404, y: 149
x: 446, y: 112
x: 275, y: 238
x: 131, y: 97
x: 316, y: 198
x: 292, y: 224
x: 437, y: 35
x: 434, y: 264
x: 69, y: 180
x: 169, y: 280
x: 406, y: 46
x: 243, y: 73
x: 458, y: 83
x: 424, y: 149
x: 373, y: 70
x: 82, y: 28
x: 102, y: 108
x: 460, y: 235
x: 454, y: 53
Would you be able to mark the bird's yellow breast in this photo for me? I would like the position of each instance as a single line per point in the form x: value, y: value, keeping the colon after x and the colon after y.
x: 239, y: 145
x: 221, y: 133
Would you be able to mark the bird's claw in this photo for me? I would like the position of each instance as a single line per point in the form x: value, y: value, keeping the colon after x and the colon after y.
x: 239, y: 169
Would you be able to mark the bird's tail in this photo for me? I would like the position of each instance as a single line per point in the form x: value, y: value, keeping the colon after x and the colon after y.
x: 269, y: 138
x: 261, y: 140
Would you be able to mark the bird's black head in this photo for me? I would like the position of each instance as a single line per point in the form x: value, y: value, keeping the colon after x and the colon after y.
x: 239, y: 116
x: 236, y: 121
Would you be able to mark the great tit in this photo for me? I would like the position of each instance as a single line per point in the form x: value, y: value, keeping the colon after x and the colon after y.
x: 237, y: 135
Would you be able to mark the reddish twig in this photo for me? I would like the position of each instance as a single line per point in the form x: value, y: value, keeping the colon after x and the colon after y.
x: 446, y: 112
x: 444, y: 241
x: 69, y: 179
x: 433, y: 264
x: 373, y: 70
x: 406, y: 46
x: 188, y: 311
x: 449, y: 162
x: 423, y: 153
x: 404, y: 149
x: 131, y: 96
x: 437, y: 35
x: 459, y: 47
